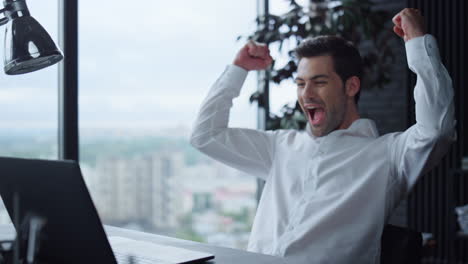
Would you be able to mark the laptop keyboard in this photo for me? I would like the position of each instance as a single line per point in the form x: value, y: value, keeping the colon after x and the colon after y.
x: 129, y: 251
x: 123, y: 258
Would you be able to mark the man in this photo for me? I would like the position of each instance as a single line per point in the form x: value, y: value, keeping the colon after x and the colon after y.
x: 330, y: 189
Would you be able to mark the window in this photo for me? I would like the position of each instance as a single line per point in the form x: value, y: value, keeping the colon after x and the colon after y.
x: 29, y: 102
x: 143, y: 76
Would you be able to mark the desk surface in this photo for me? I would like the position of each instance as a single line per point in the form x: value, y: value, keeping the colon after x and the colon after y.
x: 222, y: 255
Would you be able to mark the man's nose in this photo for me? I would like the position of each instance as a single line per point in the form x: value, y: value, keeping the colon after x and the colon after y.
x: 309, y: 91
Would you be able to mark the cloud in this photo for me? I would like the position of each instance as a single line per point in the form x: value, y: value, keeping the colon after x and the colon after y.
x: 151, y: 60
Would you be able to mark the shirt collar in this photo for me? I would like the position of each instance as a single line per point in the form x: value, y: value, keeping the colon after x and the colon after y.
x: 362, y: 127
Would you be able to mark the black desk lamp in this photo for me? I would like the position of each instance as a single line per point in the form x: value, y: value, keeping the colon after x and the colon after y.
x: 28, y: 46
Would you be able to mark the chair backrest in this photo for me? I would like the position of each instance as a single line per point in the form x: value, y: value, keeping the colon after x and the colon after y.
x: 400, y: 245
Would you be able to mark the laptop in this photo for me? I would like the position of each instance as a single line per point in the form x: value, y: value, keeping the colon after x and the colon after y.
x: 73, y: 233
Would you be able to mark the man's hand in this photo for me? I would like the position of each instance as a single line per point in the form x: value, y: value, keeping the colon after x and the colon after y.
x: 253, y: 56
x: 409, y: 24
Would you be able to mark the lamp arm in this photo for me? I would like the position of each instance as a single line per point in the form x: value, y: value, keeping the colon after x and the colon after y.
x: 12, y: 7
x: 19, y: 5
x: 4, y: 20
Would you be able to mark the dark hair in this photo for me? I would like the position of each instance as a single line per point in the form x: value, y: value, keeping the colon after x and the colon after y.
x: 346, y: 58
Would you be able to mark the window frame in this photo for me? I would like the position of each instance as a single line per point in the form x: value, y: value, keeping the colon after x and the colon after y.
x: 68, y: 144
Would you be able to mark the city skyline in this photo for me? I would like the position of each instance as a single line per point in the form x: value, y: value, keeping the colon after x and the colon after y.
x: 119, y: 174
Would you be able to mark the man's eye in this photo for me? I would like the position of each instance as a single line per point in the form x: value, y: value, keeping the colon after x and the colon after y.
x: 320, y: 83
x: 300, y: 84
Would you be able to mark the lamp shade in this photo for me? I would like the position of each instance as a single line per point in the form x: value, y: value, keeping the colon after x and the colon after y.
x: 28, y: 46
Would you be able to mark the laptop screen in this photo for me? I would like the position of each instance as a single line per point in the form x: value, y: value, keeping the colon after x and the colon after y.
x: 56, y: 191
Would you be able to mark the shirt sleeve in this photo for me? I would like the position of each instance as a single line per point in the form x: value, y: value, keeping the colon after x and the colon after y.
x: 423, y: 145
x: 248, y: 150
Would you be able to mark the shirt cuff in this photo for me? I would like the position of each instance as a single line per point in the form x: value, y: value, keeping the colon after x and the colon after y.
x: 233, y: 78
x: 419, y: 48
x: 236, y: 73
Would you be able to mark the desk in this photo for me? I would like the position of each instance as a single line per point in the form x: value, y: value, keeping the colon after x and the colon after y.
x: 222, y: 255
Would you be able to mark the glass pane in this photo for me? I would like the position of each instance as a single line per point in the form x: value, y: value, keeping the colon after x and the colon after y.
x: 143, y: 77
x: 28, y: 102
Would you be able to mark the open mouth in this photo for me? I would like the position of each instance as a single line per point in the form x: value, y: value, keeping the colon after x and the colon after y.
x: 316, y: 115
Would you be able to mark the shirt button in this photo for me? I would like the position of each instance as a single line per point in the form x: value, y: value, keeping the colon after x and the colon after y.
x: 291, y: 228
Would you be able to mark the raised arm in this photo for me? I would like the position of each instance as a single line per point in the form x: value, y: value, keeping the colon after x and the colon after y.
x: 422, y: 146
x: 245, y: 149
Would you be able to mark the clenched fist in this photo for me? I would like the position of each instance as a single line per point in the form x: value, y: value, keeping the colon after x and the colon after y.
x: 409, y: 24
x: 253, y: 56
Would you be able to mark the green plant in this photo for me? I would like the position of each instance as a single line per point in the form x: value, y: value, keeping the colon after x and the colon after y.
x: 355, y: 20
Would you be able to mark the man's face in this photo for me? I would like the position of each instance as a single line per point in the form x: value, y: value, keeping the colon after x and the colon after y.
x: 321, y: 94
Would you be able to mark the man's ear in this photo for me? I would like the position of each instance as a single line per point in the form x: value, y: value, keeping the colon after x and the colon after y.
x: 353, y: 85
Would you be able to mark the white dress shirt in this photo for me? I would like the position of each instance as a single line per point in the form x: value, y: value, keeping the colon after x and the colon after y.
x: 326, y: 199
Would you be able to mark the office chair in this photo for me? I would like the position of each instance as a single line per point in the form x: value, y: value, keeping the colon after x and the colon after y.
x: 400, y: 245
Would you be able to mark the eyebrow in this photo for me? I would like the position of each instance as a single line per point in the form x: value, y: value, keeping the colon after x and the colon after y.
x: 313, y: 77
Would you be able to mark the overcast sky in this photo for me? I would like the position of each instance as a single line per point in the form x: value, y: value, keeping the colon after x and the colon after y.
x: 145, y: 65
